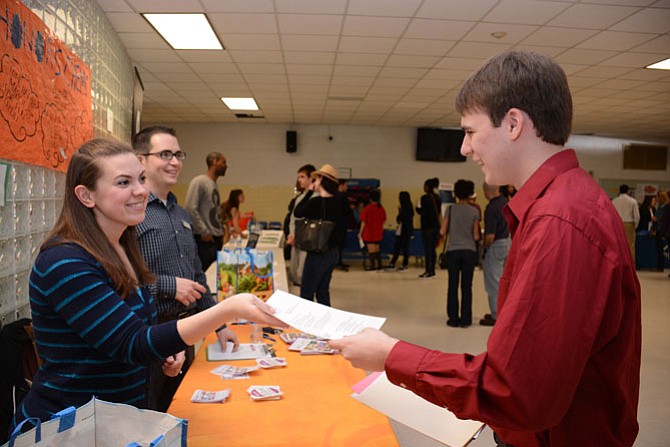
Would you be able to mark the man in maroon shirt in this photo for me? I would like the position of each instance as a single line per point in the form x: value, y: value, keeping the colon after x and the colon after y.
x: 562, y: 363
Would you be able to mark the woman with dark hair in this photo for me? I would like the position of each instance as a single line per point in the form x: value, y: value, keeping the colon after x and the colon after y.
x: 91, y: 311
x: 429, y: 210
x: 405, y: 221
x: 461, y: 225
x: 229, y: 214
x: 372, y: 229
x: 647, y: 222
x: 319, y: 267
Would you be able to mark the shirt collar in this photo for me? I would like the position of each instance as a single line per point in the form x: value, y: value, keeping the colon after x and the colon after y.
x: 537, y: 183
x: 171, y: 199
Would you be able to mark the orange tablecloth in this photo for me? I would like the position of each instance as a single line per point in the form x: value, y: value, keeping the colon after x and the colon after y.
x: 315, y: 410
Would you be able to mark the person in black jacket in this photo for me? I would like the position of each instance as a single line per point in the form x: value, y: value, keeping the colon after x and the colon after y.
x: 428, y: 209
x: 405, y: 231
x: 319, y: 266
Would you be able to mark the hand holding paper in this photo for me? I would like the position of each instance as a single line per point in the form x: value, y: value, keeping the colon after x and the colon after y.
x: 316, y: 319
x: 366, y: 350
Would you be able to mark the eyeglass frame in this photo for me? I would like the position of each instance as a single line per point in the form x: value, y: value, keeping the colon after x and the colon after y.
x: 179, y: 155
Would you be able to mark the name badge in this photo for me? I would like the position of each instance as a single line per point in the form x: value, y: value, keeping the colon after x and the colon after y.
x: 186, y: 225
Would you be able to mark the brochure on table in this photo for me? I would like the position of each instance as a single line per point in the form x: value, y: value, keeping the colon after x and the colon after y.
x: 246, y: 351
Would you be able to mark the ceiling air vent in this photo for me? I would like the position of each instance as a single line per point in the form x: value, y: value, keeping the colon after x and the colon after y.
x: 248, y: 116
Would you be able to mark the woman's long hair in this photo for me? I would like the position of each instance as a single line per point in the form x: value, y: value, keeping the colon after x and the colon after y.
x: 232, y: 202
x: 76, y: 222
x: 406, y: 202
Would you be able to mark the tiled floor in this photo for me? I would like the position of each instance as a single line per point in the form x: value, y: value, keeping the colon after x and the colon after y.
x: 416, y: 311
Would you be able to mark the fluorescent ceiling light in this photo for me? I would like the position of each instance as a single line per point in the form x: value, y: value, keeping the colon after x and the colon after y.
x: 185, y: 31
x: 662, y: 65
x: 240, y: 103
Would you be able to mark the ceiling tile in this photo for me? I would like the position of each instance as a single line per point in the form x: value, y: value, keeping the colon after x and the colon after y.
x: 658, y: 45
x: 243, y: 23
x: 525, y: 11
x: 309, y: 43
x: 113, y: 5
x: 311, y: 6
x: 406, y: 59
x: 166, y: 6
x: 318, y: 24
x: 355, y: 70
x: 455, y: 9
x: 423, y: 47
x: 438, y: 29
x: 387, y: 8
x: 374, y: 26
x: 616, y: 40
x: 592, y: 16
x: 401, y: 60
x: 251, y: 42
x: 637, y: 60
x: 254, y: 57
x: 351, y: 44
x: 129, y: 22
x: 309, y: 57
x: 651, y: 20
x: 476, y: 49
x: 559, y: 37
x: 482, y: 32
x: 377, y: 60
x: 586, y: 57
x: 143, y: 40
x: 233, y: 6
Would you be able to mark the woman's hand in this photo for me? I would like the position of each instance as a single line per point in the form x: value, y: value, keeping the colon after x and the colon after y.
x: 248, y: 307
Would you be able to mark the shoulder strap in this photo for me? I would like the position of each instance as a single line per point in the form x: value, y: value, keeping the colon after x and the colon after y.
x: 446, y: 233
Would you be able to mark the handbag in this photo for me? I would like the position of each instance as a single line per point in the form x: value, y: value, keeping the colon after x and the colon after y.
x: 442, y: 259
x: 103, y: 424
x: 313, y: 235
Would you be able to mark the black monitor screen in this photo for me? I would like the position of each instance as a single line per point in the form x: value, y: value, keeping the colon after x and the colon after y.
x: 434, y: 144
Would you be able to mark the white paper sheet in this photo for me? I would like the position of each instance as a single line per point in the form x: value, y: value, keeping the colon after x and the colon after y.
x: 246, y: 351
x: 317, y: 319
x: 417, y: 413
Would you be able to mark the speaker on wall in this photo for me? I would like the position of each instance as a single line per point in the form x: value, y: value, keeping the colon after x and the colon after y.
x: 291, y: 141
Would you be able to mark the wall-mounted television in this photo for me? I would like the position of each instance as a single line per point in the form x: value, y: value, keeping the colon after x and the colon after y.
x: 437, y: 144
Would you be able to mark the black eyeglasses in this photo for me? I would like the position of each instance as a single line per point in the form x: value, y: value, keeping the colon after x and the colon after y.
x: 167, y: 155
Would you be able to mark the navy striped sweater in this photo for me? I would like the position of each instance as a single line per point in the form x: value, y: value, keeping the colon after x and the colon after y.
x: 91, y: 342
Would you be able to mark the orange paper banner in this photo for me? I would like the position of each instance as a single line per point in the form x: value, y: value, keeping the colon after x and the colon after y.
x: 45, y: 92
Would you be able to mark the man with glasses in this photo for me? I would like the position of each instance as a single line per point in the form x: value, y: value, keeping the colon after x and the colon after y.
x: 202, y: 204
x: 166, y: 241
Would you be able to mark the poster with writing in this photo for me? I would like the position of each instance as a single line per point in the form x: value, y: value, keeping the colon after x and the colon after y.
x: 45, y: 92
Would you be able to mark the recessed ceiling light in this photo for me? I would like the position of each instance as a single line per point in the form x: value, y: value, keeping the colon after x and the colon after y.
x: 662, y: 65
x: 185, y: 31
x: 240, y: 103
x: 498, y: 34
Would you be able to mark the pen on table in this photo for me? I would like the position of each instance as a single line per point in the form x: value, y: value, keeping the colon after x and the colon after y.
x: 268, y: 337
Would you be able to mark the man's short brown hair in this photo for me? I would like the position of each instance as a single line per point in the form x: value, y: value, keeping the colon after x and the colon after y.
x: 529, y: 81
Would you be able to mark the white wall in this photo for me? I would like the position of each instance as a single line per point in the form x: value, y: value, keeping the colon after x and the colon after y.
x: 257, y: 154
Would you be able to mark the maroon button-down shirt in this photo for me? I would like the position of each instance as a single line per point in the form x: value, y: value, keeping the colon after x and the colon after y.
x: 562, y: 363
